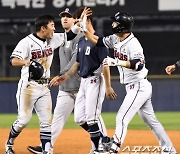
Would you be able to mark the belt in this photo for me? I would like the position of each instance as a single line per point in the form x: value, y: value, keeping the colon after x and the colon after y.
x: 42, y: 81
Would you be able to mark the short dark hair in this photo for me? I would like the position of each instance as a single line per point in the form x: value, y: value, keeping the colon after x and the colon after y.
x: 43, y: 21
x: 78, y: 12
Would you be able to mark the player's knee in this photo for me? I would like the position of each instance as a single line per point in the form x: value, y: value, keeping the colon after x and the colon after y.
x: 122, y: 120
x: 22, y: 121
x: 79, y: 120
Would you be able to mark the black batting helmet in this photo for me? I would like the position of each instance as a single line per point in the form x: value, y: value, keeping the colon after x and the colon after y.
x: 36, y: 70
x: 125, y: 22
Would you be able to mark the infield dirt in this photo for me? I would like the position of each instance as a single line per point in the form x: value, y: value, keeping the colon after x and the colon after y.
x: 76, y: 141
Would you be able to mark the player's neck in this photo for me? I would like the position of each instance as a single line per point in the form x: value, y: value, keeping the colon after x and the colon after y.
x: 40, y: 35
x: 40, y: 38
x: 68, y: 29
x: 123, y: 36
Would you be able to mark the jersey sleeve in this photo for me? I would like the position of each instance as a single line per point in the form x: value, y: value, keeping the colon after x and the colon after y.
x: 57, y: 40
x: 108, y: 41
x: 104, y: 52
x: 136, y: 50
x: 21, y: 50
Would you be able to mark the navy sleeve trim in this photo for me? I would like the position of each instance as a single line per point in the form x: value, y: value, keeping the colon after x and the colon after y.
x: 100, y: 42
x: 70, y: 35
x: 16, y: 56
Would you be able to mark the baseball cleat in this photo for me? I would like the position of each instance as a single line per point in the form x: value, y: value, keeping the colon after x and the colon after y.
x: 100, y: 152
x: 35, y: 149
x: 106, y: 142
x: 9, y: 149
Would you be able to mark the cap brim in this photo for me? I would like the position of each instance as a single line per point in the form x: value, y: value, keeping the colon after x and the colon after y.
x: 62, y: 13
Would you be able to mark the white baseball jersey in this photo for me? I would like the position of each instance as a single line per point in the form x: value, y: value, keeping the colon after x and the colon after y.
x: 127, y: 51
x: 39, y: 50
x: 139, y: 92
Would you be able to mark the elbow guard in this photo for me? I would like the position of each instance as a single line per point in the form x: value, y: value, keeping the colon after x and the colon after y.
x: 136, y: 64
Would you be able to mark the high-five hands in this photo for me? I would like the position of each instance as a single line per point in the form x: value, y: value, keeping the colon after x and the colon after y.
x: 86, y: 12
x: 83, y: 23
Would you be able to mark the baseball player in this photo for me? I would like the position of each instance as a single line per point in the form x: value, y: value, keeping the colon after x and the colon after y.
x: 68, y: 91
x: 171, y: 68
x: 31, y: 93
x: 129, y: 59
x: 91, y: 93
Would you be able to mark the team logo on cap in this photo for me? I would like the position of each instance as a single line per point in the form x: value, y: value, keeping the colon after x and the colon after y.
x: 117, y: 15
x: 67, y: 10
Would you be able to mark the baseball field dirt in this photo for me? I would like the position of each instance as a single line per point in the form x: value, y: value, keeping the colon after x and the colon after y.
x: 76, y: 141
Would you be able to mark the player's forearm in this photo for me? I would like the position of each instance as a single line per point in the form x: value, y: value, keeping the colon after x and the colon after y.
x: 19, y: 62
x: 91, y: 37
x: 107, y: 76
x: 123, y: 63
x: 73, y: 69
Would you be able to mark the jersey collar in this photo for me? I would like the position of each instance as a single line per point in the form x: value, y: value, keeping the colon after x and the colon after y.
x: 39, y: 37
x: 128, y: 38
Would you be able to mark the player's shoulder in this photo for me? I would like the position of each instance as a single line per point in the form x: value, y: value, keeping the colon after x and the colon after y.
x: 98, y: 34
x: 78, y: 37
x: 26, y: 39
x: 134, y: 42
x: 58, y: 34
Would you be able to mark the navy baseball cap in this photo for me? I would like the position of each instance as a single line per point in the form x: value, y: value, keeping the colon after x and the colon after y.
x: 66, y: 11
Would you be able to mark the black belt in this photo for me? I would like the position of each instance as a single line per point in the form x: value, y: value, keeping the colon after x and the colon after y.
x: 42, y: 81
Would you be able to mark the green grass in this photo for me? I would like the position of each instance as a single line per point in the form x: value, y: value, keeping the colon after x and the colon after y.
x: 170, y: 121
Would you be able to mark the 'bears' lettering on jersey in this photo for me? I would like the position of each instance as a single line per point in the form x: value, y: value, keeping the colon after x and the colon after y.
x: 120, y: 56
x: 44, y: 53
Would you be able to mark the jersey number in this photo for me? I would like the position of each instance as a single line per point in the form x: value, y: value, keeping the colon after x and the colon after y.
x: 87, y: 50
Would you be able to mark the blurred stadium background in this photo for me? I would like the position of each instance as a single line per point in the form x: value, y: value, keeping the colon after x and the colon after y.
x: 157, y: 26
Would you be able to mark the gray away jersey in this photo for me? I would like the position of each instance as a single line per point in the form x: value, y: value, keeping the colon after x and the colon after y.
x: 67, y: 56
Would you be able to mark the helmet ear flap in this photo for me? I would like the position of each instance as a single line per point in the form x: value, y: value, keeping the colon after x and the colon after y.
x: 119, y: 29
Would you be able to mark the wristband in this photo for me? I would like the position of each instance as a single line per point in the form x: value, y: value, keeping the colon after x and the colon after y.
x: 75, y: 29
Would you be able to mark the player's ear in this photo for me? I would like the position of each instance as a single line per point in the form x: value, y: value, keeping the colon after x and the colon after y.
x: 43, y: 28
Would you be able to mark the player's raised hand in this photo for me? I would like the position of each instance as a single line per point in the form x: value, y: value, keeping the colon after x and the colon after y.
x: 169, y: 69
x: 110, y: 93
x: 87, y: 12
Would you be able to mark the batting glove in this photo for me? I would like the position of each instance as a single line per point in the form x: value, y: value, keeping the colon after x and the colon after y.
x: 83, y: 23
x: 110, y: 61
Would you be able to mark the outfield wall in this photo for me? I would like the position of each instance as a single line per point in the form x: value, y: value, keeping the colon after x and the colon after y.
x: 166, y: 96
